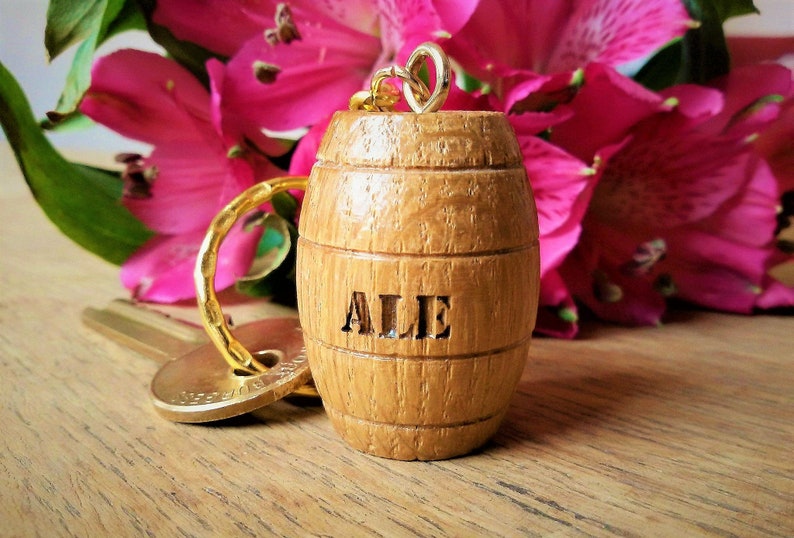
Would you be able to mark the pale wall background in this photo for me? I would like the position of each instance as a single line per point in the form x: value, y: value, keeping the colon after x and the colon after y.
x: 22, y: 52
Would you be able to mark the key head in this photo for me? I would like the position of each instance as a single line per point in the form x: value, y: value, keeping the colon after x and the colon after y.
x: 201, y: 387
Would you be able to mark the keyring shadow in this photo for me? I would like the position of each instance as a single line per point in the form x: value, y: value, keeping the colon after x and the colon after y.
x: 564, y: 390
x: 555, y: 396
x: 290, y: 409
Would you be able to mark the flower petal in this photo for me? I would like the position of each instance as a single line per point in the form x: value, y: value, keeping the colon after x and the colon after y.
x: 744, y: 86
x: 776, y: 145
x: 162, y: 270
x: 594, y: 276
x: 147, y: 97
x: 360, y: 15
x: 404, y: 24
x: 497, y: 38
x: 665, y: 177
x: 557, y: 312
x: 316, y: 75
x: 221, y: 26
x: 616, y: 33
x: 720, y: 261
x: 777, y: 294
x: 454, y: 14
x: 234, y: 127
x: 187, y: 190
x: 552, y: 37
x: 695, y: 102
x: 562, y: 186
x: 305, y: 154
x: 606, y: 107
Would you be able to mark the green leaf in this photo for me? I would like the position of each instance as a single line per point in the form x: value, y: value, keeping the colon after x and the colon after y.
x: 116, y: 16
x: 129, y: 17
x: 701, y: 55
x: 78, y: 80
x: 272, y: 257
x: 468, y: 83
x: 734, y: 8
x: 285, y: 205
x: 273, y: 271
x: 664, y: 69
x: 705, y: 50
x: 189, y: 55
x: 82, y: 201
x: 71, y: 123
x: 70, y: 22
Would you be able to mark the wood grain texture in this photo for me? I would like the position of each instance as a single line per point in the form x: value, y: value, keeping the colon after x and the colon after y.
x: 682, y: 430
x: 418, y: 277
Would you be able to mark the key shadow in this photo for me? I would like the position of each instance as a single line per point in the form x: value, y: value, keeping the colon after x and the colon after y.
x: 563, y: 391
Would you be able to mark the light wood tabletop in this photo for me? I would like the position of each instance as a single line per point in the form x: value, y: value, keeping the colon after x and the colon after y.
x: 681, y: 430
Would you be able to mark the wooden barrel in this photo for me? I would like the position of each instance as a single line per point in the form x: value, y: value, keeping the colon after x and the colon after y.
x: 418, y: 278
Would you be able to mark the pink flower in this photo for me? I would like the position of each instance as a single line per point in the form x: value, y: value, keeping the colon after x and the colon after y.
x: 776, y: 147
x: 562, y: 186
x: 292, y: 64
x: 537, y: 57
x: 194, y: 169
x: 684, y: 207
x: 161, y: 271
x: 517, y: 46
x: 564, y: 175
x: 606, y: 106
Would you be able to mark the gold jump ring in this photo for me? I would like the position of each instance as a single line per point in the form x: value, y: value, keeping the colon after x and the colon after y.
x: 441, y: 90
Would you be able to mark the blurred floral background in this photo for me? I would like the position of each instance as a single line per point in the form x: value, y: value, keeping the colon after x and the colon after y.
x: 660, y: 152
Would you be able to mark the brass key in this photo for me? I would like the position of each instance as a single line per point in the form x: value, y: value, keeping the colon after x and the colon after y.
x: 154, y: 334
x: 194, y: 383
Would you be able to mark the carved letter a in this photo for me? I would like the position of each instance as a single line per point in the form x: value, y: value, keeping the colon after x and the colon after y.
x: 358, y: 314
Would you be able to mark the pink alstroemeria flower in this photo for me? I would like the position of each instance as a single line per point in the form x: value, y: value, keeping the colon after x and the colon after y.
x: 192, y: 172
x: 535, y: 57
x: 776, y: 146
x: 685, y: 206
x: 293, y: 64
x: 562, y: 186
x: 517, y: 47
x: 564, y: 176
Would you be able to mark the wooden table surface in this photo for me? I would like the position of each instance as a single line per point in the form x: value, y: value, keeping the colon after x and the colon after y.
x: 682, y: 430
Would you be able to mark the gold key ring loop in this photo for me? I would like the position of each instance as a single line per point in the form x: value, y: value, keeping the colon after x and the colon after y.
x: 212, y: 316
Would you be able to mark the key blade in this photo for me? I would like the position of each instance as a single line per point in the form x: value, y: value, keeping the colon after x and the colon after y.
x: 153, y: 334
x: 163, y: 337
